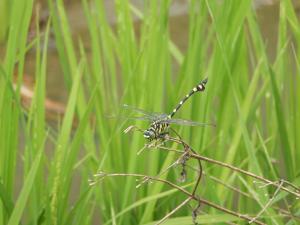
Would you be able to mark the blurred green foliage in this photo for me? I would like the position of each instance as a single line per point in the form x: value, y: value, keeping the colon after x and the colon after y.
x: 253, y: 100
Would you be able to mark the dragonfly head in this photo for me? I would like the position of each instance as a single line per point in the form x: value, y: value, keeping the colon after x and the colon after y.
x: 149, y: 134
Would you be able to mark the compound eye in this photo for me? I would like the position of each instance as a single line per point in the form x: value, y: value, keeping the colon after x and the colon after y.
x: 148, y: 134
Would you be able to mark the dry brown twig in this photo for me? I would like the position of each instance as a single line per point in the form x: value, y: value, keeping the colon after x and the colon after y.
x: 295, y: 192
x: 237, y: 190
x: 101, y: 175
x: 177, y: 162
x: 185, y: 155
x: 174, y: 210
x: 268, y: 203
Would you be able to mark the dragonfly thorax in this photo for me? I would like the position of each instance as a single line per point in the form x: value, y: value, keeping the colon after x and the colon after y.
x: 156, y: 130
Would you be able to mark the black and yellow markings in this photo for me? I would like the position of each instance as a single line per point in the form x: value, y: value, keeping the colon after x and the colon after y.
x: 160, y: 126
x: 199, y: 87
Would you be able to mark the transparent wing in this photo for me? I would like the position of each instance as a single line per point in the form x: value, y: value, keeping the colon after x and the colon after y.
x: 148, y: 115
x: 153, y: 116
x: 188, y: 122
x: 146, y: 118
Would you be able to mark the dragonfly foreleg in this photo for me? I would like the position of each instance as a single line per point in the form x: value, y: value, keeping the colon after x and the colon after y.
x: 132, y: 128
x: 164, y: 135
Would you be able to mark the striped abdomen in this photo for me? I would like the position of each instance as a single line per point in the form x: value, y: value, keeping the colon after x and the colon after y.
x: 199, y: 87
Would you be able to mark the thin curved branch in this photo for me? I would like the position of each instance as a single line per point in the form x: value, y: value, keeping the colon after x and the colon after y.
x: 102, y: 175
x: 264, y: 180
x: 186, y: 149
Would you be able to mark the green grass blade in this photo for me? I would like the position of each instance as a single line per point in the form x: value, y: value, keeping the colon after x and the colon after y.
x: 16, y: 214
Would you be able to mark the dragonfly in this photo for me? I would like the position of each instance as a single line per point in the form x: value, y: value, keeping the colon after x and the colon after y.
x: 160, y: 122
